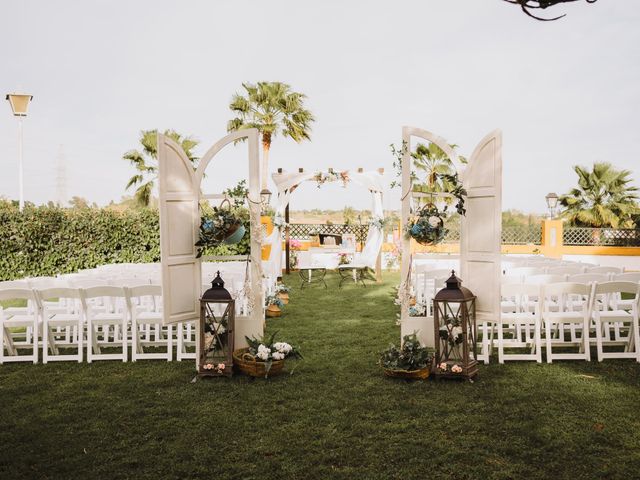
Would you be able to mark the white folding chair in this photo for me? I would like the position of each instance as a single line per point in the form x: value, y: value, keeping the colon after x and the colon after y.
x: 565, y: 270
x: 525, y: 271
x: 605, y: 270
x: 61, y: 330
x: 19, y: 329
x: 613, y: 322
x: 147, y: 329
x: 616, y: 300
x: 106, y: 329
x: 522, y: 325
x: 186, y: 333
x: 572, y: 313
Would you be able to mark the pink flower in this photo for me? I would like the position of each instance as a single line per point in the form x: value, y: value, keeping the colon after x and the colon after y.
x: 221, y: 366
x: 443, y: 366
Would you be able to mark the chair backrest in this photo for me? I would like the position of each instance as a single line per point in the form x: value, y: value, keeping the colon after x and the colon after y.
x: 561, y: 292
x: 618, y: 287
x: 564, y: 270
x: 58, y: 292
x: 38, y: 283
x: 14, y: 284
x: 146, y: 290
x: 516, y: 289
x: 103, y: 291
x: 525, y: 271
x: 510, y: 279
x: 627, y: 277
x: 614, y: 270
x: 544, y: 279
x: 129, y: 282
x: 588, y: 278
x: 87, y: 282
x: 17, y: 294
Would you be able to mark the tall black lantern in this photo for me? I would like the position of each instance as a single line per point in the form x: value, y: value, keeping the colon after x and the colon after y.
x: 455, y: 331
x: 217, y: 323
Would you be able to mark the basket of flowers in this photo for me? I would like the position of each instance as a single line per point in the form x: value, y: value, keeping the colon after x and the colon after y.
x: 221, y: 226
x: 282, y: 292
x: 411, y: 361
x: 427, y: 227
x: 264, y: 357
x: 274, y: 306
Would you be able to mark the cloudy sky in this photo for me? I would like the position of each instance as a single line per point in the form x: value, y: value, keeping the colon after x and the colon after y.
x: 564, y: 93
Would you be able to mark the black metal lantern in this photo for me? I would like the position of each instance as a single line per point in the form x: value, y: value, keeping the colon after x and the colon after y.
x: 455, y: 331
x: 217, y: 323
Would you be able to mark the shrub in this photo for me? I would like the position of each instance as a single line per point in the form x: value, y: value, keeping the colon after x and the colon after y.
x: 49, y: 240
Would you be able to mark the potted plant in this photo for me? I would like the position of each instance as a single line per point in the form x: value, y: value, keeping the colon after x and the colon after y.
x: 411, y: 361
x: 274, y: 306
x: 221, y: 226
x: 282, y: 291
x: 264, y: 357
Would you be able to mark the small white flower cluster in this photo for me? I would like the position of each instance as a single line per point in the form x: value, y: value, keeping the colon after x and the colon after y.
x: 279, y: 222
x: 282, y: 350
x: 263, y: 352
x: 455, y: 331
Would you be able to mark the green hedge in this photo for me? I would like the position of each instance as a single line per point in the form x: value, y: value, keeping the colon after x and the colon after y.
x: 49, y: 240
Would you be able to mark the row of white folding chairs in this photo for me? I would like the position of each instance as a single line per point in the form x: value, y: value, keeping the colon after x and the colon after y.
x: 561, y: 270
x: 66, y: 318
x: 573, y: 315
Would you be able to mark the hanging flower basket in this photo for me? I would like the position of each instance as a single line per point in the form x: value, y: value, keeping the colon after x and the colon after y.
x: 221, y: 226
x: 427, y: 227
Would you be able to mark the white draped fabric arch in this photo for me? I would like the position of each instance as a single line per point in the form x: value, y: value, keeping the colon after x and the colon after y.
x: 371, y: 180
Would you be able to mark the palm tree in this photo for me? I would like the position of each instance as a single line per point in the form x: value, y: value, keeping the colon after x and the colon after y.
x: 434, y: 161
x: 603, y: 198
x: 146, y: 162
x: 272, y: 108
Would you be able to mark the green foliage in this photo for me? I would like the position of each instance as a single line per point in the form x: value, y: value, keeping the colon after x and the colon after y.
x: 604, y: 197
x: 146, y: 162
x: 49, y: 240
x: 412, y: 356
x: 336, y: 418
x: 272, y: 108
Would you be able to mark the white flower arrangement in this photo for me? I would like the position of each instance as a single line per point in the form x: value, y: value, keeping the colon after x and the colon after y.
x: 279, y: 222
x: 418, y: 310
x: 268, y: 351
x: 377, y: 222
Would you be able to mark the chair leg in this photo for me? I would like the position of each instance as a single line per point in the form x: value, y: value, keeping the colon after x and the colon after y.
x: 500, y: 343
x: 547, y: 327
x: 599, y: 349
x: 169, y: 343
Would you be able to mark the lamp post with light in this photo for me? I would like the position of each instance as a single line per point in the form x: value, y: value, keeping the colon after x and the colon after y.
x: 552, y: 203
x: 19, y: 103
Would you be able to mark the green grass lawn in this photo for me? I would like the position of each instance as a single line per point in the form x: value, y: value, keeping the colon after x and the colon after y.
x: 335, y: 417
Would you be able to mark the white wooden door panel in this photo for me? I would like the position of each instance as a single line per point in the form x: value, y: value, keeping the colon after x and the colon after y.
x: 482, y: 226
x: 179, y: 222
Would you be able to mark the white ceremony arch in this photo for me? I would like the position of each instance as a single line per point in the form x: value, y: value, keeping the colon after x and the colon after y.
x: 286, y: 182
x: 179, y: 198
x: 481, y: 228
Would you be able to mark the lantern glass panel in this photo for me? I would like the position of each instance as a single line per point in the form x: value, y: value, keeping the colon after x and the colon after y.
x: 217, y: 319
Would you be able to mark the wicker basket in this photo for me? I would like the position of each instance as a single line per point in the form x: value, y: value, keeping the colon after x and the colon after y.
x: 420, y: 374
x: 247, y: 363
x: 273, y: 311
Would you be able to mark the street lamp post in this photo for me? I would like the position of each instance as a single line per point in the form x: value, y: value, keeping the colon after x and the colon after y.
x: 19, y: 104
x: 552, y: 203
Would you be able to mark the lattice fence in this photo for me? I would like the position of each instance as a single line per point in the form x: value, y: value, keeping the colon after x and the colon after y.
x: 510, y: 235
x: 302, y: 231
x: 601, y: 236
